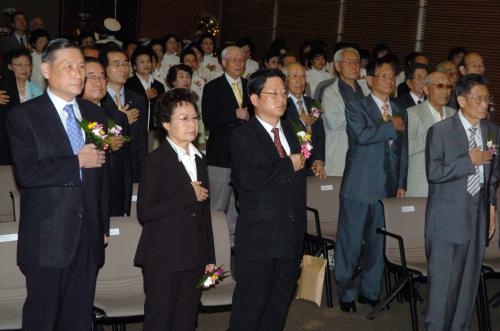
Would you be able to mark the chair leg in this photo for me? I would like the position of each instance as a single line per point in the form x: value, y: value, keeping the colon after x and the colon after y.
x: 387, y: 280
x: 389, y: 297
x: 400, y: 295
x: 413, y: 304
x: 495, y: 300
x: 328, y: 285
x: 483, y: 308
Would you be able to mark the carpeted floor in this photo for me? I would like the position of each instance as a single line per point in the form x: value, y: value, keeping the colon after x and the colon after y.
x: 306, y: 316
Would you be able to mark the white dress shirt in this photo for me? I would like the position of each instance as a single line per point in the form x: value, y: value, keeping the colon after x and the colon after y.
x: 380, y: 104
x: 188, y: 159
x: 169, y: 60
x: 435, y: 114
x: 416, y: 98
x: 211, y: 60
x: 314, y: 77
x: 59, y: 104
x: 268, y: 127
x: 479, y: 140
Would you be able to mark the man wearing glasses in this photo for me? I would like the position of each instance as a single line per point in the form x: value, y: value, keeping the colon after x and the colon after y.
x: 460, y: 215
x: 421, y: 117
x: 372, y: 172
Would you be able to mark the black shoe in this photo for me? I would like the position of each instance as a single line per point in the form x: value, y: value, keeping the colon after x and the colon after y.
x: 365, y: 301
x: 348, y: 306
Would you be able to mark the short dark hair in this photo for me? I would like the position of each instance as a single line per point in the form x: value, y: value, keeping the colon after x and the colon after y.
x: 317, y: 52
x: 246, y: 41
x: 156, y: 41
x: 17, y: 13
x: 258, y: 79
x: 168, y: 102
x: 141, y: 51
x: 167, y: 38
x: 187, y: 51
x: 410, y: 71
x: 380, y: 47
x: 172, y: 73
x: 85, y: 34
x: 103, y: 54
x: 269, y: 55
x: 14, y: 54
x: 205, y: 36
x: 55, y: 45
x: 467, y: 82
x: 455, y: 51
x: 378, y: 62
x: 410, y: 58
x: 90, y: 59
x: 278, y: 44
x: 364, y: 54
x: 36, y: 34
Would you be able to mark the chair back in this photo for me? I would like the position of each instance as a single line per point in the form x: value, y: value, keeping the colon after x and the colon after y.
x: 492, y: 251
x: 323, y: 195
x: 406, y: 218
x: 7, y: 185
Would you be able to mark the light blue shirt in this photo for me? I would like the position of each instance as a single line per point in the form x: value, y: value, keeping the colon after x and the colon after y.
x: 112, y: 93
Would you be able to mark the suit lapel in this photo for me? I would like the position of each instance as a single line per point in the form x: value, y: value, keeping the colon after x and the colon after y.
x: 230, y: 92
x: 484, y: 137
x: 178, y: 167
x: 293, y: 113
x: 264, y: 137
x: 461, y: 141
x: 374, y: 111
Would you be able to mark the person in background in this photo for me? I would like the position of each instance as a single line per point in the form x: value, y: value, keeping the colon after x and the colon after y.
x: 272, y: 61
x: 415, y: 75
x: 176, y: 246
x: 19, y: 61
x: 36, y: 23
x: 38, y: 40
x: 143, y: 83
x: 170, y: 58
x: 86, y: 38
x: 410, y: 59
x: 450, y: 69
x: 19, y: 37
x: 179, y: 76
x: 207, y: 44
x: 159, y: 71
x: 317, y: 73
x: 304, y: 50
x: 456, y: 55
x: 248, y: 47
x: 90, y: 51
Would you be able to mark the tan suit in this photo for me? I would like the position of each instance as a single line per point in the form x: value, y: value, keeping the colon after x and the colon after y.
x: 335, y: 127
x: 420, y: 120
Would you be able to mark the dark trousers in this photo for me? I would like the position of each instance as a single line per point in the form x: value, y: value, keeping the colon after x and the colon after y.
x: 264, y: 289
x: 61, y: 299
x: 453, y: 279
x: 358, y: 224
x: 172, y: 299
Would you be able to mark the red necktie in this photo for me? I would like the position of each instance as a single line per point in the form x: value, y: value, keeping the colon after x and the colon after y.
x: 277, y: 143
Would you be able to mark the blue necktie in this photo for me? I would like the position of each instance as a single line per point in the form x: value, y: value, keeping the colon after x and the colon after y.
x: 73, y: 130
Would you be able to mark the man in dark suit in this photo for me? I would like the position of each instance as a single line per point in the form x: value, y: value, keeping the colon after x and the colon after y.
x: 63, y: 196
x: 128, y: 102
x: 372, y: 172
x: 415, y: 76
x: 225, y: 106
x: 9, y: 97
x: 299, y: 113
x: 460, y: 215
x: 267, y: 173
x: 18, y: 38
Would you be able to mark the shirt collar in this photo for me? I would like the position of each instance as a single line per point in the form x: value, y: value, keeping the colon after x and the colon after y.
x: 181, y: 152
x: 466, y: 123
x: 416, y: 98
x: 58, y: 102
x: 295, y: 99
x: 146, y: 82
x: 268, y: 127
x: 112, y: 92
x: 231, y: 80
x: 434, y: 110
x: 379, y: 102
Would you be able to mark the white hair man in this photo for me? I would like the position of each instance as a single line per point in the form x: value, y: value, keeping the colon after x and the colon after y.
x: 345, y: 89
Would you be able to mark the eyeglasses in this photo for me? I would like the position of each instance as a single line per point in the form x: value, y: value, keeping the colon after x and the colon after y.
x: 479, y: 99
x: 187, y: 119
x: 441, y: 86
x: 275, y: 94
x: 96, y: 77
x: 22, y: 65
x: 385, y: 77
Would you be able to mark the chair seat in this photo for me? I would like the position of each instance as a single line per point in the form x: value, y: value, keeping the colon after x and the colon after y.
x: 222, y: 295
x: 11, y: 308
x: 121, y: 298
x: 328, y: 232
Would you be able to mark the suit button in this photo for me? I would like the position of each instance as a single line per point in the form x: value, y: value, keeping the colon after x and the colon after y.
x: 80, y: 215
x: 193, y: 214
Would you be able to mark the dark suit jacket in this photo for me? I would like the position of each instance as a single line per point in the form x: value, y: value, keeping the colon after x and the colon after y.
x: 7, y: 83
x: 11, y: 43
x: 271, y: 195
x: 57, y: 207
x: 177, y: 229
x: 138, y: 131
x: 404, y: 101
x: 219, y: 117
x: 373, y: 161
x: 119, y: 164
x: 134, y: 84
x: 450, y: 211
x: 317, y: 130
x: 403, y: 88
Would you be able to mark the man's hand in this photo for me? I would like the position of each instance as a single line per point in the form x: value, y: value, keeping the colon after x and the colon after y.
x: 242, y: 114
x: 211, y: 67
x: 298, y: 161
x: 115, y: 142
x: 401, y: 193
x: 479, y: 157
x: 90, y: 157
x: 132, y: 114
x: 309, y: 119
x: 200, y: 191
x: 398, y: 123
x: 106, y: 238
x: 151, y: 93
x: 318, y: 168
x: 493, y: 222
x: 4, y: 97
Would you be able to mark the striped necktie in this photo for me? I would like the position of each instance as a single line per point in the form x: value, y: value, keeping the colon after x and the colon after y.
x: 277, y: 143
x: 473, y: 180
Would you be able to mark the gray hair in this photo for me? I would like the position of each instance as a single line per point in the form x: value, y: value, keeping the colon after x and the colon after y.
x: 441, y: 66
x: 339, y: 55
x: 49, y: 54
x: 429, y: 79
x: 225, y: 51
